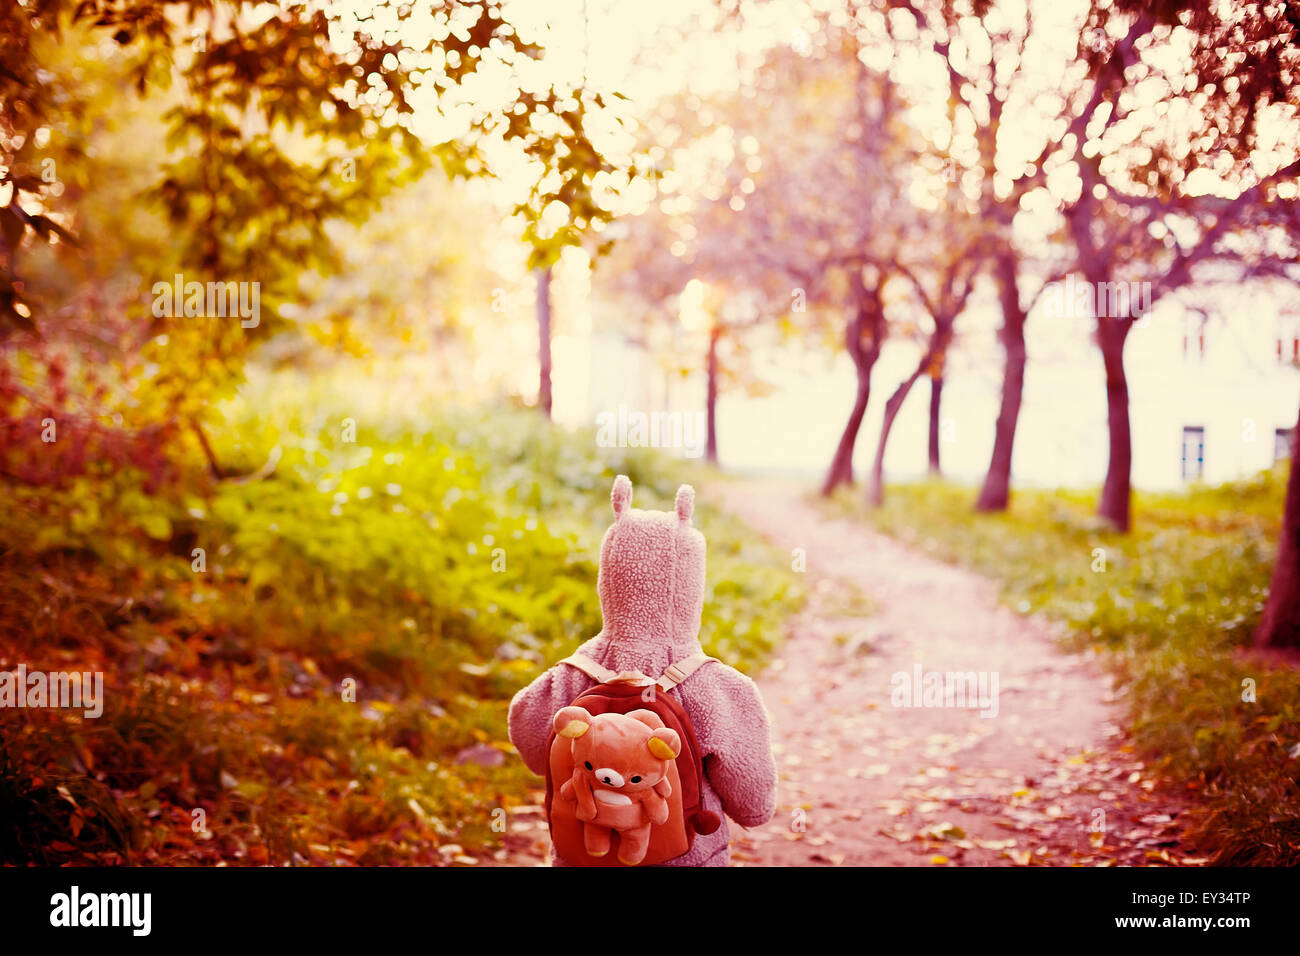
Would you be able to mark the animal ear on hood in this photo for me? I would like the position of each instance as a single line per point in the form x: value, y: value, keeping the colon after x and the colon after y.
x: 685, y: 503
x: 621, y: 495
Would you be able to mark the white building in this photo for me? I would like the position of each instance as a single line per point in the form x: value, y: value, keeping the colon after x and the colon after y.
x: 1210, y: 398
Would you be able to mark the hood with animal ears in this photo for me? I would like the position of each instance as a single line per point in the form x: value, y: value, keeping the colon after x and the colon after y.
x: 651, y: 580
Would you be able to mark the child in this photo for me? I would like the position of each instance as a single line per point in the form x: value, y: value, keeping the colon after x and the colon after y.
x: 651, y: 587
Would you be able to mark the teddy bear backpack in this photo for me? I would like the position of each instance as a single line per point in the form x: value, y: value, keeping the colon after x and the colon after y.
x: 624, y: 778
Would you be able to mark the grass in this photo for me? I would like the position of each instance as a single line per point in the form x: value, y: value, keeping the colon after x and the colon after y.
x: 1173, y: 606
x: 433, y: 560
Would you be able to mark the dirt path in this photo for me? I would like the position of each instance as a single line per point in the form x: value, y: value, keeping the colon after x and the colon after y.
x: 867, y: 782
x: 864, y: 782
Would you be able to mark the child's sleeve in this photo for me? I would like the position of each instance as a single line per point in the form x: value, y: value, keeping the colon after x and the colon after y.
x: 739, y: 764
x: 534, y: 708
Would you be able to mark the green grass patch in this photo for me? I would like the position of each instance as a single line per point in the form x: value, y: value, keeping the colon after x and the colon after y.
x: 438, y: 558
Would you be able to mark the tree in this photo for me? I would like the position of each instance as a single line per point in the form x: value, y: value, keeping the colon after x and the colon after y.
x: 956, y: 278
x: 651, y: 279
x: 835, y: 258
x: 1136, y: 216
x: 543, y: 274
x: 864, y: 335
x: 279, y: 121
x: 1111, y: 163
x: 1279, y: 626
x: 982, y: 68
x: 995, y: 493
x: 935, y: 465
x: 758, y: 231
x: 736, y: 315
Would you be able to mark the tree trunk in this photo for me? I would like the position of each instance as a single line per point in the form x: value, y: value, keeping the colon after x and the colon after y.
x: 936, y: 397
x: 1116, y: 492
x: 841, y: 470
x: 711, y: 450
x: 1280, y: 625
x: 544, y: 339
x: 876, y: 489
x: 937, y: 347
x: 996, y: 493
x: 868, y: 322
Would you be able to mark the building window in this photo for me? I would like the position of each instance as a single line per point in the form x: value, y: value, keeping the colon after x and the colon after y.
x: 1194, y: 337
x: 1288, y: 340
x: 1193, y: 453
x: 1282, y: 443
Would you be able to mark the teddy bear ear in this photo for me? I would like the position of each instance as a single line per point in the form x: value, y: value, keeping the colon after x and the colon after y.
x: 572, y: 722
x: 621, y: 494
x: 665, y: 744
x: 685, y: 503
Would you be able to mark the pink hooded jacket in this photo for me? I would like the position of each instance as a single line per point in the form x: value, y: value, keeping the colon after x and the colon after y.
x: 651, y: 586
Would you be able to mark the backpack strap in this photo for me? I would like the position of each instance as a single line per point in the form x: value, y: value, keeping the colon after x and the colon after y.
x: 674, y: 675
x: 678, y: 672
x: 597, y: 672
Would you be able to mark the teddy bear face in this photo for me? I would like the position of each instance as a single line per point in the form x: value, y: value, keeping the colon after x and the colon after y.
x: 621, y: 755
